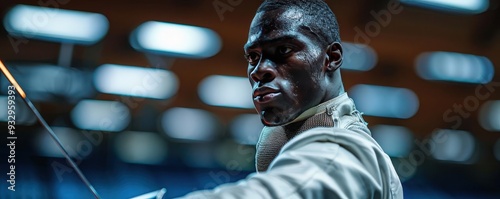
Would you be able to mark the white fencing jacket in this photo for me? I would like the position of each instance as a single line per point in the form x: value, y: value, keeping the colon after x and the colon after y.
x: 327, y: 152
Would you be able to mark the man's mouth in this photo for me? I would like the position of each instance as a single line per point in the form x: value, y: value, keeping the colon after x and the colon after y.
x: 265, y: 94
x: 266, y: 97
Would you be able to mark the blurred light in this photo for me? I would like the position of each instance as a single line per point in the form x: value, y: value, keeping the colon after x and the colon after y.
x: 456, y: 67
x: 460, y: 6
x: 489, y: 115
x: 101, y: 115
x: 226, y: 91
x: 44, y: 82
x: 246, y: 129
x: 385, y: 101
x: 140, y: 147
x: 456, y: 146
x: 23, y: 115
x: 396, y: 141
x: 358, y: 57
x: 54, y: 24
x: 175, y: 40
x: 189, y: 124
x: 73, y: 141
x: 136, y: 81
x: 496, y: 150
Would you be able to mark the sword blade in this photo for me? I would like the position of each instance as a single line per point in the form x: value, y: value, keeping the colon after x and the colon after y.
x: 54, y: 137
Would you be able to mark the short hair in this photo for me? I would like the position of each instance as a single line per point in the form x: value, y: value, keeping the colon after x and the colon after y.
x: 325, y: 23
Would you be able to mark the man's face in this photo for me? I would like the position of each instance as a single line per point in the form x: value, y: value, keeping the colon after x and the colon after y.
x: 285, y: 65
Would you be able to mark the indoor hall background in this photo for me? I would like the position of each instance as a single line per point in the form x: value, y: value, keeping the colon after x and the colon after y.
x: 442, y: 134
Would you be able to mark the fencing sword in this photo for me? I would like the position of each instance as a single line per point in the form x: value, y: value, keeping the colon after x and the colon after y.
x: 54, y: 137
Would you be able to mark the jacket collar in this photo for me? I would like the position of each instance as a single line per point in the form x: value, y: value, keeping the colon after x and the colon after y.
x: 273, y: 138
x: 321, y: 108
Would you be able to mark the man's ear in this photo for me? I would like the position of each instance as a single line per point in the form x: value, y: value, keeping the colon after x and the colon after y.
x: 334, y: 57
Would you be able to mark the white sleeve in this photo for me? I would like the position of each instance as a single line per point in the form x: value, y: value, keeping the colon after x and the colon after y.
x: 312, y: 170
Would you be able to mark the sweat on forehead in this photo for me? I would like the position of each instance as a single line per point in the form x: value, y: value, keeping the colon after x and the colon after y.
x: 277, y: 20
x: 315, y: 15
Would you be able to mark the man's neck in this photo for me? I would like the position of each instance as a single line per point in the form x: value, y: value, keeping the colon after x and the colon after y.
x: 319, y: 108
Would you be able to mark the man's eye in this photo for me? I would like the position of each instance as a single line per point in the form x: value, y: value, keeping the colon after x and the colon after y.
x: 284, y: 50
x: 253, y: 58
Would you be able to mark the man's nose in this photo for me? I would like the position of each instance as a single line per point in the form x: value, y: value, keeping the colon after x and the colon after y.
x: 264, y: 72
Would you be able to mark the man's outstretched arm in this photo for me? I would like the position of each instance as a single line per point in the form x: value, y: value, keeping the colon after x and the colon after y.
x: 319, y: 169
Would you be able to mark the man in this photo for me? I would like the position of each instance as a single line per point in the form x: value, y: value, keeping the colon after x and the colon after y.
x: 315, y: 143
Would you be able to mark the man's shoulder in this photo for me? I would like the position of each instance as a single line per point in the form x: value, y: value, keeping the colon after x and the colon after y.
x: 352, y: 147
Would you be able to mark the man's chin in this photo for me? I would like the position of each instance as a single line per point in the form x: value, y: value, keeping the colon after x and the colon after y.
x: 266, y: 123
x: 269, y: 119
